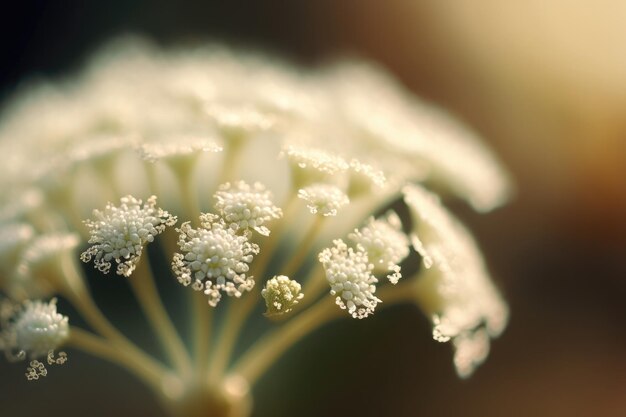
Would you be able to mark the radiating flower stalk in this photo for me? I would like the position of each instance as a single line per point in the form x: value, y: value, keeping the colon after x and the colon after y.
x: 270, y: 191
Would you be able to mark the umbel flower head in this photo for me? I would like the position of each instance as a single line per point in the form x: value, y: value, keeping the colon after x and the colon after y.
x: 287, y: 182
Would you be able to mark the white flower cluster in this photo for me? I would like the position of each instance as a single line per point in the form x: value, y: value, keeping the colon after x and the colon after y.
x: 345, y: 139
x: 35, y: 330
x: 214, y: 259
x: 245, y: 206
x: 385, y: 243
x: 462, y: 300
x: 120, y: 233
x: 349, y: 274
x: 281, y: 295
x: 324, y: 199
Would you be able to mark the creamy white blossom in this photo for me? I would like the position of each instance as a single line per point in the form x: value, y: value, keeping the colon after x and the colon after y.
x: 38, y: 273
x: 385, y: 243
x: 119, y: 233
x: 36, y: 329
x: 323, y: 199
x: 349, y: 274
x: 245, y: 206
x: 455, y: 288
x: 343, y: 141
x: 310, y: 165
x: 281, y: 295
x: 214, y: 259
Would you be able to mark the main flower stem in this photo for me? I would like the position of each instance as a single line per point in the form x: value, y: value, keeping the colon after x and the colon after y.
x: 144, y: 288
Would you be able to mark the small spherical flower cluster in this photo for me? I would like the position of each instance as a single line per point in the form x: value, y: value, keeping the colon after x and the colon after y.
x: 36, y: 329
x: 120, y: 233
x: 349, y: 274
x: 214, y: 259
x: 385, y: 243
x: 245, y: 206
x: 324, y: 199
x: 281, y: 295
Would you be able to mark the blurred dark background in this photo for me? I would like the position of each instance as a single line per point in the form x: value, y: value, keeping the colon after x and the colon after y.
x: 546, y: 86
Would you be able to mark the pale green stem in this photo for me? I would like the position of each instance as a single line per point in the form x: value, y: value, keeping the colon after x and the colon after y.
x: 202, y: 313
x: 151, y: 176
x: 143, y: 286
x: 303, y: 249
x: 133, y: 356
x: 237, y: 313
x: 232, y: 155
x: 148, y: 370
x: 262, y: 355
x: 265, y: 351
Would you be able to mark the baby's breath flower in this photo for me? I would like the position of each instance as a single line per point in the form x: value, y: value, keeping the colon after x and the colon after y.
x: 385, y: 243
x: 214, y: 259
x: 455, y: 288
x: 120, y: 233
x: 244, y: 206
x: 349, y: 274
x: 281, y: 294
x: 324, y: 199
x: 36, y: 329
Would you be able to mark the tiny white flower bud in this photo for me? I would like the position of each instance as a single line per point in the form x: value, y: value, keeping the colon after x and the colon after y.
x: 214, y: 259
x: 349, y: 274
x: 246, y: 207
x: 120, y: 233
x: 324, y: 199
x: 281, y: 294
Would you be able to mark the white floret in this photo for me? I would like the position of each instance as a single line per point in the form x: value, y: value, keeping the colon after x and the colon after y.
x: 385, y: 243
x: 324, y: 199
x: 349, y: 274
x: 119, y: 233
x: 245, y: 206
x: 37, y: 329
x: 214, y: 259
